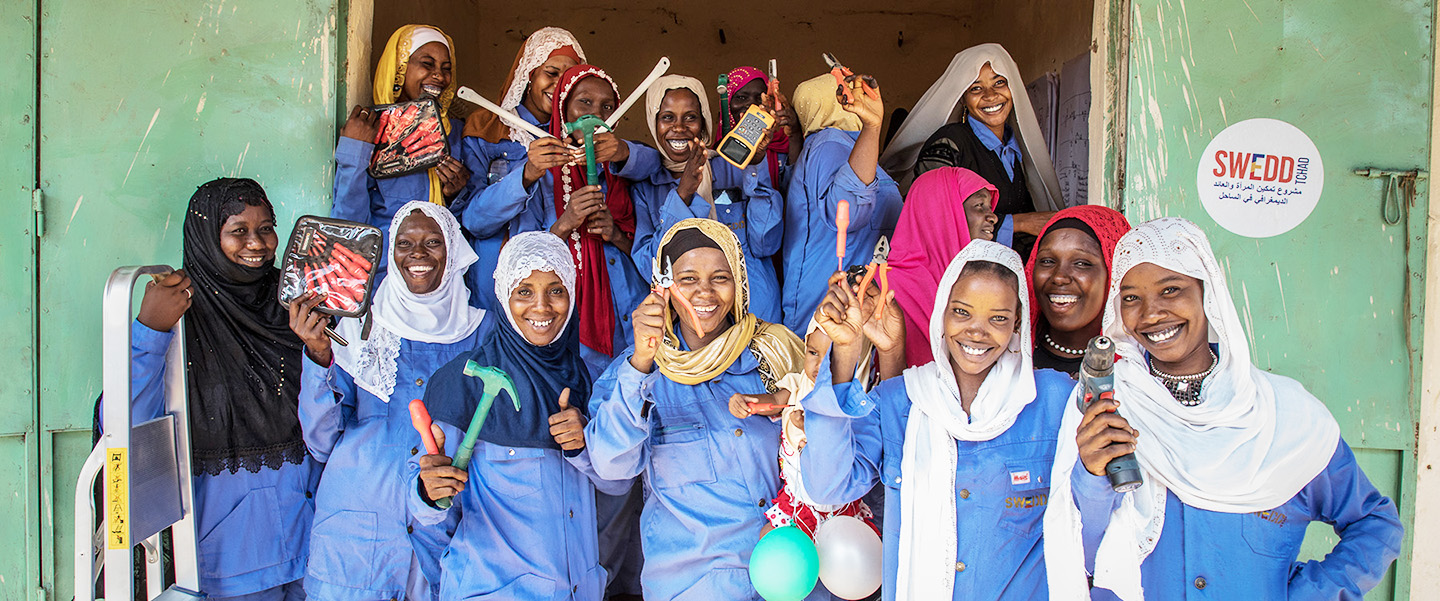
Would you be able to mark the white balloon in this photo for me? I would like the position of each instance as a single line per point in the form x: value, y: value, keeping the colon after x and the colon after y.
x: 850, y: 557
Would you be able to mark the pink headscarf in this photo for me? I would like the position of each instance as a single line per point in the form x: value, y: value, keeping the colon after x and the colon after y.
x: 931, y: 231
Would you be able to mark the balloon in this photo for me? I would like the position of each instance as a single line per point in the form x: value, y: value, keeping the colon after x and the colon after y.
x: 783, y: 566
x: 850, y: 557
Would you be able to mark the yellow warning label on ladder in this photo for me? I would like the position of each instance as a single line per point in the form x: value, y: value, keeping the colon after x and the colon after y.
x: 117, y: 500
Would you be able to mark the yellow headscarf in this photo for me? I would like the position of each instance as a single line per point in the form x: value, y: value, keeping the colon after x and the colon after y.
x: 816, y: 106
x: 390, y: 77
x: 778, y: 349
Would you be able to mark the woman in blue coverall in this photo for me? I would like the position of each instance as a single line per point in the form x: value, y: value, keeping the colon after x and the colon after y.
x: 662, y: 411
x: 354, y: 410
x: 1236, y: 461
x: 963, y: 444
x: 253, y: 479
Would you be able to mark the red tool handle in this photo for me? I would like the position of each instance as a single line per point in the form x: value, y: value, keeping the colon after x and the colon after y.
x: 420, y: 418
x: 842, y: 227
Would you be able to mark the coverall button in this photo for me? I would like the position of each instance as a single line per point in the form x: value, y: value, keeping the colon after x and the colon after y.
x: 959, y: 566
x: 419, y: 381
x: 1200, y: 582
x: 964, y: 493
x: 739, y: 432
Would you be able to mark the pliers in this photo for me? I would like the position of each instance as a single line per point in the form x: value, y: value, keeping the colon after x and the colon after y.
x: 663, y: 281
x: 881, y: 268
x: 841, y: 73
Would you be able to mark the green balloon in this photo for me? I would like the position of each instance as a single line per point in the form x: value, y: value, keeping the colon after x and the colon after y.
x: 784, y: 565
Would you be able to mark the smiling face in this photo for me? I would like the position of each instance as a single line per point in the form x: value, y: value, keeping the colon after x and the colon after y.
x: 590, y: 96
x: 541, y: 93
x: 703, y: 277
x: 427, y: 73
x: 1070, y: 285
x: 248, y: 238
x: 747, y: 95
x: 979, y: 216
x: 678, y: 123
x: 420, y: 253
x: 539, y: 305
x: 1165, y: 311
x: 988, y: 100
x: 980, y: 320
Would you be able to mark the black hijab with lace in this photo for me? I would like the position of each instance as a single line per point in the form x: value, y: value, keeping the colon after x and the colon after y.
x: 244, y: 362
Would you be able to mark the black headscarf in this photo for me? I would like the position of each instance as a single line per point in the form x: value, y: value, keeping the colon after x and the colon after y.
x: 244, y: 362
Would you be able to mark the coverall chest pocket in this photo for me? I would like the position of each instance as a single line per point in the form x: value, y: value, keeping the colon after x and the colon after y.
x: 512, y: 472
x: 680, y: 454
x: 1026, y: 485
x: 1273, y: 533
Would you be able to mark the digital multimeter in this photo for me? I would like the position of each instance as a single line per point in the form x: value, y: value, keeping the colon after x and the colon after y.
x: 740, y: 145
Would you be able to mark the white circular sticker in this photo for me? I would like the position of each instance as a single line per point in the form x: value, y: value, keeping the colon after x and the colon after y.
x: 1260, y: 178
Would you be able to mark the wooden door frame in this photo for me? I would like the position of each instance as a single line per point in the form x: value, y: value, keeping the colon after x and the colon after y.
x: 1109, y: 92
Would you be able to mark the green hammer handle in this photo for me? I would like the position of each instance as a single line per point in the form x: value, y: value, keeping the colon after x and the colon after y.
x: 592, y: 171
x: 467, y: 444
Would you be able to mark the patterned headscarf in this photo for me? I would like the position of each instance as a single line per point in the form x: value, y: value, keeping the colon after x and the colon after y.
x: 538, y: 48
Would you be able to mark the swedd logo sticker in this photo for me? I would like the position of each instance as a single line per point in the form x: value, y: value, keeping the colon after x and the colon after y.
x: 1260, y: 178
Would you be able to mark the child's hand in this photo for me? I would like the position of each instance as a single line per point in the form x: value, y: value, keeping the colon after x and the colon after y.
x: 768, y: 405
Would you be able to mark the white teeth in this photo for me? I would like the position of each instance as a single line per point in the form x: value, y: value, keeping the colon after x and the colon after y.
x: 678, y: 145
x: 1063, y: 299
x: 993, y: 109
x: 709, y: 309
x: 540, y: 325
x: 970, y: 350
x: 1163, y: 335
x: 420, y: 269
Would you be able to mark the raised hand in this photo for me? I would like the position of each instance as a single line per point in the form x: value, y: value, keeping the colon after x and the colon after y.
x: 363, y: 124
x: 695, y: 168
x: 545, y: 154
x: 453, y: 176
x: 583, y: 203
x: 438, y: 478
x: 567, y: 426
x: 871, y: 111
x: 165, y: 301
x: 648, y: 321
x: 309, y: 325
x: 1103, y: 435
x: 840, y: 314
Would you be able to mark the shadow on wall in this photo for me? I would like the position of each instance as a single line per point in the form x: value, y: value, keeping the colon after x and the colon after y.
x: 906, y: 43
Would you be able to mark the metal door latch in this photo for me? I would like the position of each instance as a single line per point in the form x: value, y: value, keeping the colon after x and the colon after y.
x: 1396, y: 183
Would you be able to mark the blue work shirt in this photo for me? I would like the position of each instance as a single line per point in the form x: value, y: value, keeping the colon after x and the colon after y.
x: 361, y: 549
x: 823, y: 178
x: 489, y: 209
x: 710, y: 475
x: 754, y: 216
x: 627, y: 286
x: 1212, y: 555
x: 512, y: 542
x: 1001, y: 485
x: 253, y: 530
x: 361, y: 198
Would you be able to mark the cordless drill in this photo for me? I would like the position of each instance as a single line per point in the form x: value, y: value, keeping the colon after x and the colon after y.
x: 1097, y: 378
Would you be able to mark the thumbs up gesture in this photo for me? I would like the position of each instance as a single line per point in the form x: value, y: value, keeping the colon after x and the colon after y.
x: 567, y: 426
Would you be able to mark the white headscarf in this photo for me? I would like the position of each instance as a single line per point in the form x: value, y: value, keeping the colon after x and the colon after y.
x: 442, y: 316
x: 941, y: 105
x: 536, y: 51
x: 422, y: 35
x: 927, y: 492
x: 527, y: 253
x: 653, y: 97
x: 1228, y: 454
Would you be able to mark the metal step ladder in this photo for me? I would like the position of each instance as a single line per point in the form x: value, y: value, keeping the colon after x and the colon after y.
x: 147, y: 484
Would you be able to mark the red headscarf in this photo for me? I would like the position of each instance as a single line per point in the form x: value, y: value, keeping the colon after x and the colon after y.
x: 931, y: 231
x: 1107, y: 224
x: 597, y: 312
x: 779, y: 141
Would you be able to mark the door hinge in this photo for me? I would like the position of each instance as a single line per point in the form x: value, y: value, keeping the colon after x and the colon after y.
x: 37, y: 205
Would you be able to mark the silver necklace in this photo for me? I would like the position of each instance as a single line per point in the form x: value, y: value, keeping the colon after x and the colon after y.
x: 1185, y: 389
x: 1062, y: 349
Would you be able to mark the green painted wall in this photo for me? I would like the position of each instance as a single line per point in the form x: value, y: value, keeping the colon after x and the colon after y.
x: 139, y: 102
x: 1327, y: 302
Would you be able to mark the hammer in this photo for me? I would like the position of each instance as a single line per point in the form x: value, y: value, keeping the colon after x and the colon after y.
x: 588, y: 124
x: 495, y: 381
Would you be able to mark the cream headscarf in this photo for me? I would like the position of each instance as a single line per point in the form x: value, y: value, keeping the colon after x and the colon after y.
x: 816, y: 106
x: 777, y: 348
x: 653, y: 97
x: 927, y: 493
x: 534, y: 52
x: 441, y: 316
x: 941, y: 105
x: 390, y: 78
x: 1228, y: 454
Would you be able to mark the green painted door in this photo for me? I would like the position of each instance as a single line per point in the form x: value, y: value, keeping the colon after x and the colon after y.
x: 140, y: 103
x: 19, y: 444
x: 1334, y: 302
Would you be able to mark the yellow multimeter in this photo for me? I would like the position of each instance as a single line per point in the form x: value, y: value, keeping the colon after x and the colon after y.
x: 740, y: 145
